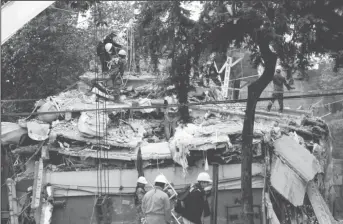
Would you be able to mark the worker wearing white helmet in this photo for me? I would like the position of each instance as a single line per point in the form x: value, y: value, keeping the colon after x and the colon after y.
x: 118, y: 70
x: 122, y: 53
x: 156, y: 204
x: 106, y: 49
x: 192, y: 203
x: 139, y: 194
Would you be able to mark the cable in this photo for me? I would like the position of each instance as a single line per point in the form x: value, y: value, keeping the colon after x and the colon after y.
x: 176, y: 105
x: 311, y: 91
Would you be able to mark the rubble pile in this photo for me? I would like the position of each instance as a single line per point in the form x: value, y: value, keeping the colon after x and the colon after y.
x: 295, y: 150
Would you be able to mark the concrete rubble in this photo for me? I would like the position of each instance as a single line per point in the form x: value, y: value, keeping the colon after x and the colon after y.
x: 294, y: 150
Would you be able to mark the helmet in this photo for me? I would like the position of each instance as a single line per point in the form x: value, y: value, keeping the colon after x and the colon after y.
x: 122, y: 52
x: 278, y: 68
x: 142, y: 180
x: 108, y: 47
x: 205, y: 177
x: 161, y: 179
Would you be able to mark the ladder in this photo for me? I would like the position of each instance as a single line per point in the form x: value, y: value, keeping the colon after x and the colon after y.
x: 225, y: 87
x: 169, y: 186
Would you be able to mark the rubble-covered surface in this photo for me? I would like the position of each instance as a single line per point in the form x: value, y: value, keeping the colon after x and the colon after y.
x: 289, y: 145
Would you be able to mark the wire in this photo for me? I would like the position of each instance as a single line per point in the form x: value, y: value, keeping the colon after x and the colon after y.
x: 311, y: 91
x: 176, y: 105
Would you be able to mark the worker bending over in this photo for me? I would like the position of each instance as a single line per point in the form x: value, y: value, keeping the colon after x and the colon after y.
x: 278, y: 82
x: 106, y: 49
x: 192, y: 204
x: 156, y: 204
x: 139, y: 194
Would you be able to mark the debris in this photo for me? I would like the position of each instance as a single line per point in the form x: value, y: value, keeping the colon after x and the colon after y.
x: 49, y: 106
x: 93, y: 124
x: 11, y: 133
x: 37, y: 131
x: 143, y: 103
x: 287, y: 182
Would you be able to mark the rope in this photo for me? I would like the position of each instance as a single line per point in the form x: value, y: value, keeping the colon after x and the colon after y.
x: 178, y: 105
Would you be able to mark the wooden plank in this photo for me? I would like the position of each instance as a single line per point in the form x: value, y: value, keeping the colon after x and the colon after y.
x: 12, y: 198
x: 34, y: 184
x: 37, y: 196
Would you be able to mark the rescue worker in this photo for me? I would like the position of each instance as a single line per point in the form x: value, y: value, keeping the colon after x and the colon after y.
x: 106, y: 49
x: 210, y: 72
x: 111, y: 39
x: 118, y: 65
x: 278, y: 81
x: 105, y: 54
x: 139, y: 194
x: 156, y: 204
x: 194, y: 205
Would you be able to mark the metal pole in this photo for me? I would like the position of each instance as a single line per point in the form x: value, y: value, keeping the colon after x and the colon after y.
x: 214, y: 194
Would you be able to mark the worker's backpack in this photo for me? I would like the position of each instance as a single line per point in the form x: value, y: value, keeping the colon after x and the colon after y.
x: 181, y: 197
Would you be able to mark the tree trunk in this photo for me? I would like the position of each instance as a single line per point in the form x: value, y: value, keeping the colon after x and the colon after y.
x: 254, y: 92
x: 181, y: 68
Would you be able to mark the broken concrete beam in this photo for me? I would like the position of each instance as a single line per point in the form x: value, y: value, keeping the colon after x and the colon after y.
x: 320, y: 208
x: 241, y: 114
x: 12, y: 198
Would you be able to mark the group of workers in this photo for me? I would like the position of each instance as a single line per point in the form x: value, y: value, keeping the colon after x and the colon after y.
x: 154, y: 206
x: 112, y: 60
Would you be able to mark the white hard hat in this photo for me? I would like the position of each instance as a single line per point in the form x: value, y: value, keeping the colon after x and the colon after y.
x: 278, y: 68
x: 108, y: 47
x: 161, y: 179
x: 142, y: 180
x: 205, y: 177
x: 122, y: 52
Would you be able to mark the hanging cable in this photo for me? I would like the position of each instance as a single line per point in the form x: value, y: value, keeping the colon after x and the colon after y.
x: 309, y: 91
x: 177, y: 105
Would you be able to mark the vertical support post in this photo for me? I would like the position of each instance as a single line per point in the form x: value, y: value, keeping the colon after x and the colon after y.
x: 214, y: 194
x: 225, y: 87
x: 47, y: 207
x: 12, y: 196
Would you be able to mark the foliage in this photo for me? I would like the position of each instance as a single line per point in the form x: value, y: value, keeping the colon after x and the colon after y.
x: 165, y: 30
x: 44, y: 57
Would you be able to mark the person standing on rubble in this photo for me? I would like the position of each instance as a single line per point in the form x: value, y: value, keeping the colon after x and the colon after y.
x: 192, y: 204
x: 117, y: 72
x: 211, y: 72
x: 156, y: 204
x: 106, y: 49
x: 139, y: 194
x: 278, y: 81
